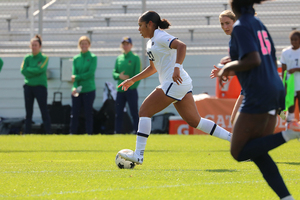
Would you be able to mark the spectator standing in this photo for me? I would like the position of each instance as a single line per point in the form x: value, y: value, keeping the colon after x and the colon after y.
x: 127, y: 65
x: 84, y: 88
x: 34, y: 69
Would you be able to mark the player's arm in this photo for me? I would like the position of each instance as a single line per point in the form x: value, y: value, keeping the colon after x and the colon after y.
x: 90, y: 73
x: 41, y: 68
x: 181, y: 52
x: 249, y: 61
x: 296, y: 69
x: 248, y: 52
x: 214, y: 73
x: 24, y: 69
x: 148, y: 71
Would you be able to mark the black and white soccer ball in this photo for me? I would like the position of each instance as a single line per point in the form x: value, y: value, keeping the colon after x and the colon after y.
x: 122, y: 163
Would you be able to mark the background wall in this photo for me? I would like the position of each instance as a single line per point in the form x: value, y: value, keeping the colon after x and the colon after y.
x: 11, y: 82
x: 62, y: 22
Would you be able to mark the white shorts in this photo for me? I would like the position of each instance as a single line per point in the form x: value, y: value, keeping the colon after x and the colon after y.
x: 177, y: 92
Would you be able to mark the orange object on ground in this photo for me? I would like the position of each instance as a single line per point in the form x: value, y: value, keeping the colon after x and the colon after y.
x: 231, y: 89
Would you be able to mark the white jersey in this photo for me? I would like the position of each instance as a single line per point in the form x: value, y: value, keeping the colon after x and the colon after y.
x: 163, y: 57
x: 291, y: 58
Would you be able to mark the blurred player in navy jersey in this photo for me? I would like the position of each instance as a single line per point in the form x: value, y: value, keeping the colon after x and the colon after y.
x: 253, y: 61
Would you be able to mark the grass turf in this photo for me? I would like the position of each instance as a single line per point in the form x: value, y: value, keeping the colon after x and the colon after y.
x: 175, y: 167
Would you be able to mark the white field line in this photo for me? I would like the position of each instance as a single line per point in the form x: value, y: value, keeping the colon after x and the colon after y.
x: 138, y: 188
x: 109, y: 170
x: 52, y: 171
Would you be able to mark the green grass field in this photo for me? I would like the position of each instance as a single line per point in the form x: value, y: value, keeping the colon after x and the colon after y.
x: 175, y: 167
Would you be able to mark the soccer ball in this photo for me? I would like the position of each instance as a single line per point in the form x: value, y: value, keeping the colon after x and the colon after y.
x: 122, y: 163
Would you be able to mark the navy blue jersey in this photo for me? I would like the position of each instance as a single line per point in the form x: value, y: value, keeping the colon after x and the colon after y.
x: 262, y: 87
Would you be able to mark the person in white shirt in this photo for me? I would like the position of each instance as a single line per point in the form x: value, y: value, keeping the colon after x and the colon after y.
x: 290, y: 60
x: 166, y: 54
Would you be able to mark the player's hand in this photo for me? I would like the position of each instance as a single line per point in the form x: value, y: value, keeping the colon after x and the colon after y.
x: 73, y: 78
x: 122, y: 76
x: 126, y: 84
x: 214, y: 72
x: 73, y: 91
x: 176, y: 76
x: 223, y: 74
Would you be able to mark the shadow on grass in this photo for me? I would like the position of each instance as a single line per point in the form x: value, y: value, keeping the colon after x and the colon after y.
x: 200, y: 151
x: 207, y: 170
x: 289, y: 163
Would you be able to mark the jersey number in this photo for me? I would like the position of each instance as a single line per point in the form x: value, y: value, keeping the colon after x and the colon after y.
x: 150, y: 55
x: 264, y: 42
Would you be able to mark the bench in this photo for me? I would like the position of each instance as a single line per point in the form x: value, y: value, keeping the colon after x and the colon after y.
x: 25, y: 5
x: 207, y: 15
x: 8, y: 18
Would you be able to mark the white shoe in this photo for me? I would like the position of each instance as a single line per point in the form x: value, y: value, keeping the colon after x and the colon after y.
x: 290, y: 134
x: 288, y: 198
x: 131, y: 156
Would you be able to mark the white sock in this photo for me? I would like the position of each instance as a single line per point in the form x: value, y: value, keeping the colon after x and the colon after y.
x: 143, y: 133
x: 289, y: 135
x: 285, y: 135
x: 211, y: 128
x: 288, y: 198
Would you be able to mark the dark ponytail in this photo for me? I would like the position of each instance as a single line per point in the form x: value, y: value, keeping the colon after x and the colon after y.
x: 164, y: 24
x: 37, y: 38
x: 155, y: 18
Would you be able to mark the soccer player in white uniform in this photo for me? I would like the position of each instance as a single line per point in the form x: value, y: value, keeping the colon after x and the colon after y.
x: 290, y: 60
x: 166, y: 54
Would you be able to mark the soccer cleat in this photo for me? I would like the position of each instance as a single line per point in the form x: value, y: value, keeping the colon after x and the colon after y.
x: 293, y: 125
x: 131, y: 156
x: 290, y: 134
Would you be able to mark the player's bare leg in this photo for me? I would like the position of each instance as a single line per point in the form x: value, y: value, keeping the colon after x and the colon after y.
x: 188, y: 111
x: 154, y: 103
